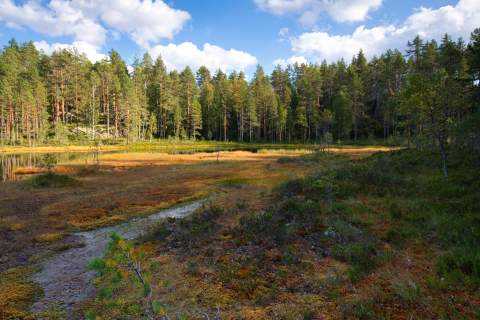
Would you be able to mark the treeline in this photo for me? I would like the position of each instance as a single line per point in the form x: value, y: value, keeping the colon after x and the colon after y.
x: 426, y: 94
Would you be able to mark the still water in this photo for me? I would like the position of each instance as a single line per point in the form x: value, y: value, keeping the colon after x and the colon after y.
x: 15, y: 167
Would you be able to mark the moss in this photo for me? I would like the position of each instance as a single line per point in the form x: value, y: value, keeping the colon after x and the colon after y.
x: 17, y: 293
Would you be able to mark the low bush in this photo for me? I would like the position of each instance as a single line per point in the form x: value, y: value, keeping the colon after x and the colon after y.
x: 49, y: 180
x: 361, y: 256
x: 408, y: 291
x: 460, y: 267
x: 358, y: 309
x: 234, y: 183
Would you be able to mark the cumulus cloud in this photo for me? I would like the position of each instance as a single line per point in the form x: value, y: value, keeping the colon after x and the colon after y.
x: 89, y: 21
x: 57, y: 18
x: 179, y: 56
x: 280, y: 7
x: 351, y: 10
x: 145, y: 21
x: 310, y: 10
x: 292, y: 60
x: 459, y: 21
x: 85, y: 48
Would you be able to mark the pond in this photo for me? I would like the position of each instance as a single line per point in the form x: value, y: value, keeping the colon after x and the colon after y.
x: 15, y: 167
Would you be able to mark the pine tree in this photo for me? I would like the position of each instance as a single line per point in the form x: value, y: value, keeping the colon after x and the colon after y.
x: 220, y: 100
x: 342, y: 109
x: 206, y: 99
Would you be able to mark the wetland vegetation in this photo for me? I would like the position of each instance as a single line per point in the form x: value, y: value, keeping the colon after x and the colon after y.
x: 321, y: 191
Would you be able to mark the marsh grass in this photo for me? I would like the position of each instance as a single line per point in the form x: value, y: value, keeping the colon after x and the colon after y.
x: 372, y: 223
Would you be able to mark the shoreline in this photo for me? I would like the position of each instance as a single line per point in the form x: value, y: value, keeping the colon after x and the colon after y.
x: 159, y: 147
x: 58, y: 149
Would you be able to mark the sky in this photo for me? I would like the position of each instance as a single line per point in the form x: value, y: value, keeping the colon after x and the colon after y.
x: 233, y: 34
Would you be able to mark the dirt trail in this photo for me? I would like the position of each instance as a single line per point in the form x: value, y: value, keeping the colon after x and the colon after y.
x: 65, y: 279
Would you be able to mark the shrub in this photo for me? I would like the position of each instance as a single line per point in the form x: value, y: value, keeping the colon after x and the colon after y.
x: 359, y: 309
x: 342, y: 232
x: 124, y: 268
x: 49, y: 180
x: 408, y: 291
x: 255, y: 226
x: 234, y: 183
x: 361, y: 256
x: 460, y: 266
x: 159, y: 231
x: 48, y: 162
x: 395, y: 211
x: 291, y: 188
x: 398, y: 235
x: 201, y: 226
x: 284, y: 160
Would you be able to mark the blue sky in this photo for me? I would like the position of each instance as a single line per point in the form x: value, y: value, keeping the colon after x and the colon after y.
x: 258, y: 31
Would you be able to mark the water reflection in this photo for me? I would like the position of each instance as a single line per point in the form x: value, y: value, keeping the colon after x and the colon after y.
x: 14, y: 167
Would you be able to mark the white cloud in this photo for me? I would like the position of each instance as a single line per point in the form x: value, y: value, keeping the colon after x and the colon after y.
x: 57, y: 18
x: 458, y: 21
x: 145, y: 21
x: 280, y: 7
x: 283, y: 35
x: 82, y: 47
x: 291, y: 60
x: 321, y: 45
x: 283, y: 32
x: 310, y: 10
x: 179, y: 56
x: 351, y: 10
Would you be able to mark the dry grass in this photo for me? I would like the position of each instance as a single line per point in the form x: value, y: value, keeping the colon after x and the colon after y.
x: 122, y: 186
x: 49, y: 237
x: 360, y: 152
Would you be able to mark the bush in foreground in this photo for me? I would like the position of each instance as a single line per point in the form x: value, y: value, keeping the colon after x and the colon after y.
x: 49, y: 180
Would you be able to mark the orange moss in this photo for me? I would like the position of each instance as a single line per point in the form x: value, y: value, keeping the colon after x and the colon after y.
x: 16, y: 293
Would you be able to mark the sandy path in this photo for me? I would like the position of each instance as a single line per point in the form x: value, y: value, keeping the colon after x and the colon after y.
x: 65, y: 279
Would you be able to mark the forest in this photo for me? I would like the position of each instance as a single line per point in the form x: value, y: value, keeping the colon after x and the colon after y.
x: 417, y: 97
